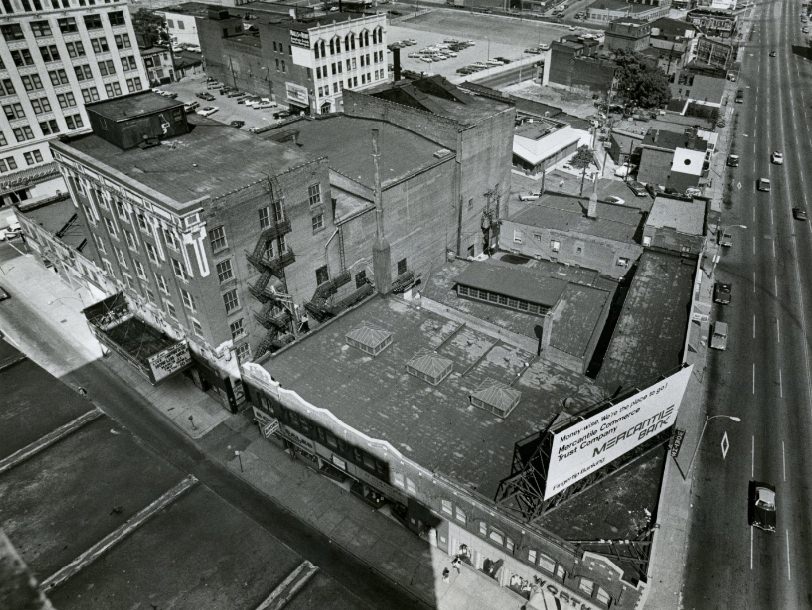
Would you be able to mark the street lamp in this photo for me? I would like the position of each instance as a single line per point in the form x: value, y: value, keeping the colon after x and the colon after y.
x: 239, y: 457
x: 701, y: 434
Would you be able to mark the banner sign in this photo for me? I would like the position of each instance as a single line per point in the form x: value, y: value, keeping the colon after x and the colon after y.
x: 300, y: 39
x: 297, y: 94
x: 676, y: 442
x: 586, y: 446
x: 169, y: 361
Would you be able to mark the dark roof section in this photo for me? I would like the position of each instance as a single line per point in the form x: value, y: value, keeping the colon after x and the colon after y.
x: 136, y: 104
x: 567, y: 213
x: 213, y: 159
x: 513, y: 282
x: 671, y: 140
x: 649, y: 337
x: 670, y: 28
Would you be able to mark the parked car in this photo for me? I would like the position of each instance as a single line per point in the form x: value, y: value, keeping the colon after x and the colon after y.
x: 262, y: 105
x: 282, y: 114
x: 693, y: 191
x: 237, y: 124
x: 623, y: 170
x: 721, y: 293
x: 799, y: 213
x: 638, y: 188
x: 614, y: 199
x: 3, y: 294
x: 719, y: 336
x: 726, y: 239
x: 762, y: 504
x: 777, y: 158
x: 533, y: 196
x: 772, y: 53
x: 234, y: 94
x: 763, y: 184
x: 740, y: 96
x: 733, y: 160
x: 207, y: 110
x: 187, y: 108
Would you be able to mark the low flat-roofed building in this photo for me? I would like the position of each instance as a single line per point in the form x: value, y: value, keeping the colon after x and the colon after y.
x: 604, y: 11
x: 658, y: 154
x: 436, y: 444
x: 556, y: 227
x: 677, y: 224
x: 627, y: 34
x: 649, y: 336
x: 539, y: 145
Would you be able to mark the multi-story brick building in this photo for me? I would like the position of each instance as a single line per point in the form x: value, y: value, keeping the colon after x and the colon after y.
x: 303, y: 63
x: 57, y: 56
x: 159, y: 65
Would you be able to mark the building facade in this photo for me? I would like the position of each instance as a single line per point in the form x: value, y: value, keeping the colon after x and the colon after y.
x: 627, y: 35
x: 714, y: 23
x: 55, y: 58
x: 159, y: 66
x: 304, y: 64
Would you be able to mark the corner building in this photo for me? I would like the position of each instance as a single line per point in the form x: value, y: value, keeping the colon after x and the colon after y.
x: 55, y: 57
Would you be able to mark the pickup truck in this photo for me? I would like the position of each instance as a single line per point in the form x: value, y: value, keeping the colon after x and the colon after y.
x: 719, y: 336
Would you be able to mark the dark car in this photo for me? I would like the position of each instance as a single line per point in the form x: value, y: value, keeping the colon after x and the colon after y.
x: 772, y: 53
x: 3, y: 294
x: 740, y: 96
x: 721, y: 293
x: 235, y: 93
x: 282, y: 114
x: 762, y: 505
x: 637, y: 188
x: 799, y: 213
x: 733, y: 160
x: 237, y: 124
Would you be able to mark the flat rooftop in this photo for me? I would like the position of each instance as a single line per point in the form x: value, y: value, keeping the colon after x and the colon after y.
x: 347, y: 144
x: 51, y: 215
x: 212, y: 159
x: 138, y: 104
x: 433, y: 425
x: 513, y: 281
x: 681, y: 215
x: 581, y: 302
x: 650, y: 333
x: 566, y: 213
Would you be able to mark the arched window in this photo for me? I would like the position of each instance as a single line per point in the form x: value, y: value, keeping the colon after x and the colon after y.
x: 338, y: 44
x: 361, y: 38
x: 380, y: 34
x: 323, y: 48
x: 317, y: 48
x: 366, y: 39
x: 332, y: 46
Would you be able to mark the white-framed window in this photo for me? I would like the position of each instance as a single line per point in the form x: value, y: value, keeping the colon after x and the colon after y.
x: 217, y: 237
x: 398, y: 480
x: 179, y: 270
x: 170, y: 239
x: 120, y: 256
x: 586, y: 585
x: 152, y: 253
x: 224, y: 270
x: 170, y: 309
x: 160, y: 281
x: 188, y: 299
x: 518, y: 236
x: 547, y: 563
x: 198, y: 330
x: 231, y: 300
x: 142, y: 222
x: 446, y: 507
x: 483, y: 528
x: 314, y: 194
x: 264, y: 217
x: 497, y: 537
x: 237, y: 328
x: 139, y: 269
x: 122, y: 211
x: 531, y: 556
x: 646, y: 240
x: 459, y: 515
x: 555, y: 245
x: 243, y: 353
x: 130, y: 239
x: 602, y: 595
x: 111, y: 227
x: 99, y: 243
x: 109, y: 266
x: 410, y: 486
x: 317, y: 222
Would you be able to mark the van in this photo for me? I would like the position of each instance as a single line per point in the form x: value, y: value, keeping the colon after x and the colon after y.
x: 719, y: 336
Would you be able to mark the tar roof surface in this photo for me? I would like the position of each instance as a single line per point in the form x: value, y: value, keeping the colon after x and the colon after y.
x: 663, y: 138
x: 433, y: 425
x: 512, y: 281
x: 347, y: 144
x: 53, y: 216
x: 128, y: 106
x: 650, y: 333
x: 679, y: 214
x: 566, y: 213
x: 213, y: 159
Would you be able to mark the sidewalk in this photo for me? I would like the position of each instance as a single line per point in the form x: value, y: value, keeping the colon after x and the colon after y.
x: 372, y: 536
x: 670, y: 548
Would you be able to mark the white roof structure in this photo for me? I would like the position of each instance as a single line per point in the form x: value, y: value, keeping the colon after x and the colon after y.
x: 536, y: 151
x: 687, y: 161
x: 678, y: 214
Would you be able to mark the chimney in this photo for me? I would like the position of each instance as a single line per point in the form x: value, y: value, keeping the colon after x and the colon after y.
x: 592, y: 210
x: 396, y: 62
x: 381, y: 253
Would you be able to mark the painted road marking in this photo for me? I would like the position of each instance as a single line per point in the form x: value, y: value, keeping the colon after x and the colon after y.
x: 780, y: 384
x: 789, y: 567
x: 777, y: 330
x: 754, y: 379
x: 751, y: 547
x: 775, y: 278
x: 773, y: 246
x: 784, y: 459
x: 754, y: 326
x: 752, y: 456
x: 754, y: 281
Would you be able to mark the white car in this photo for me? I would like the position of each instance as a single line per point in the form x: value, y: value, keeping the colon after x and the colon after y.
x: 529, y: 196
x: 777, y: 158
x: 623, y: 170
x: 615, y: 200
x: 693, y: 191
x: 207, y: 110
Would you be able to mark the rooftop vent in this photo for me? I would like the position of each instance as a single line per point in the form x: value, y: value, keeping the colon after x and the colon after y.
x: 443, y: 152
x: 431, y: 368
x: 369, y: 340
x: 496, y: 398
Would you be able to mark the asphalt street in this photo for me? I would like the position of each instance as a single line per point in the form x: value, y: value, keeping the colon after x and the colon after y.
x: 764, y: 376
x: 113, y: 396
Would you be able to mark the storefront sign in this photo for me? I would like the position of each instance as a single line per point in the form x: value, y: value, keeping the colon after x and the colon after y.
x: 300, y: 440
x: 297, y: 94
x: 337, y: 461
x: 169, y: 361
x: 300, y: 39
x: 590, y: 444
x: 676, y: 442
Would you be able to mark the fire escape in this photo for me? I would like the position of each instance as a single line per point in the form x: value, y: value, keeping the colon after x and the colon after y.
x: 324, y: 306
x: 270, y: 257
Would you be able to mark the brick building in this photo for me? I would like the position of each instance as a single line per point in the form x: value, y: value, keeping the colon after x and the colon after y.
x: 158, y: 64
x: 560, y: 228
x: 606, y: 11
x: 714, y: 23
x: 574, y: 64
x: 477, y: 129
x: 672, y: 158
x: 190, y: 218
x: 54, y: 59
x: 627, y: 35
x: 305, y: 63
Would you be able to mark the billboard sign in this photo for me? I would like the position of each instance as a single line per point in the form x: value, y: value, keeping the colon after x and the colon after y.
x: 169, y: 361
x: 300, y: 39
x: 297, y: 94
x: 583, y: 448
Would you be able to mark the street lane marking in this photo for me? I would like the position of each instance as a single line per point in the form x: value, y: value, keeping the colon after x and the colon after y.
x: 752, y: 455
x: 754, y: 379
x: 754, y: 326
x: 751, y: 547
x: 773, y: 245
x: 784, y: 459
x: 777, y: 330
x: 775, y: 278
x: 780, y: 384
x: 789, y: 567
x: 754, y: 281
x: 771, y: 216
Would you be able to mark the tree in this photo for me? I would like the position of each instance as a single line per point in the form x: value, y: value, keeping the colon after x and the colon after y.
x: 582, y: 157
x: 150, y: 29
x: 641, y: 84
